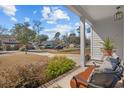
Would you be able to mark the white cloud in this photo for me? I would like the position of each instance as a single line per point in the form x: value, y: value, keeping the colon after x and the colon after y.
x: 34, y: 12
x: 51, y: 22
x: 63, y: 29
x: 53, y: 14
x: 26, y: 19
x: 13, y: 19
x: 54, y: 8
x: 45, y: 12
x: 9, y: 10
x: 30, y: 27
x: 59, y: 14
x: 77, y: 24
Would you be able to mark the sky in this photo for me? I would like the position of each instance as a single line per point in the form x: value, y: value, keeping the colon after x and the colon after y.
x: 54, y: 18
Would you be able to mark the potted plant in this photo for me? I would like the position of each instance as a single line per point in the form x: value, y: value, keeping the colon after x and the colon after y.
x: 107, y: 47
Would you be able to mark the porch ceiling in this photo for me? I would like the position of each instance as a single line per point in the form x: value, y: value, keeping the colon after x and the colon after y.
x: 100, y: 12
x: 97, y: 12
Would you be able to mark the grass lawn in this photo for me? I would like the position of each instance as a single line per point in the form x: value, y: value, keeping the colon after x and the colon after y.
x: 20, y: 59
x: 71, y: 51
x: 67, y: 51
x: 63, y: 51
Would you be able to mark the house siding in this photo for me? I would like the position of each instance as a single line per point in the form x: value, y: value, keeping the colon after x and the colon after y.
x: 107, y: 28
x: 96, y: 46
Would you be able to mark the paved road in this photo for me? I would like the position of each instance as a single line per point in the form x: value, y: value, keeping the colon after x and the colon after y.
x: 7, y: 52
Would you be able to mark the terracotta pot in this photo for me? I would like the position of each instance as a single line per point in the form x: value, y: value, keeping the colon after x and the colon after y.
x: 107, y: 52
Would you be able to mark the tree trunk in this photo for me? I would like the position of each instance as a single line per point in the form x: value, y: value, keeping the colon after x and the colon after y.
x: 26, y: 50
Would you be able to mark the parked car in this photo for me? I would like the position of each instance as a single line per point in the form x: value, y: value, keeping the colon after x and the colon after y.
x: 49, y: 47
x: 59, y: 47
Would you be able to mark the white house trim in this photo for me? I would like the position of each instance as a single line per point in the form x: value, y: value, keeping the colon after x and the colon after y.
x: 123, y: 40
x: 82, y: 42
x: 80, y: 12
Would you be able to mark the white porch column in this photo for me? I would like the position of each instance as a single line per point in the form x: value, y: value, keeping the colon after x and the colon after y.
x: 82, y: 40
x: 123, y: 42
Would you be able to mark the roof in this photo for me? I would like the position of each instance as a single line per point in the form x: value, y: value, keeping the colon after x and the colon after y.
x: 47, y: 43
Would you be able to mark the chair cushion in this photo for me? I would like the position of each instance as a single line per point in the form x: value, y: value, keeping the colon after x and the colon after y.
x: 114, y: 62
x: 106, y: 67
x: 109, y: 65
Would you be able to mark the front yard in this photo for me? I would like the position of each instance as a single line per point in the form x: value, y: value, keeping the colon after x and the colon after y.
x: 18, y: 59
x: 63, y: 51
x: 31, y: 70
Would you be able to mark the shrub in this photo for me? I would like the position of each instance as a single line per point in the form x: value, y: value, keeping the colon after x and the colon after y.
x: 29, y: 76
x: 9, y: 48
x: 16, y: 47
x: 32, y: 75
x: 59, y: 65
x: 8, y: 78
x: 22, y: 48
x: 1, y: 48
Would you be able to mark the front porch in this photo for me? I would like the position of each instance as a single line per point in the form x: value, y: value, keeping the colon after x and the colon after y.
x: 101, y: 19
x: 103, y: 25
